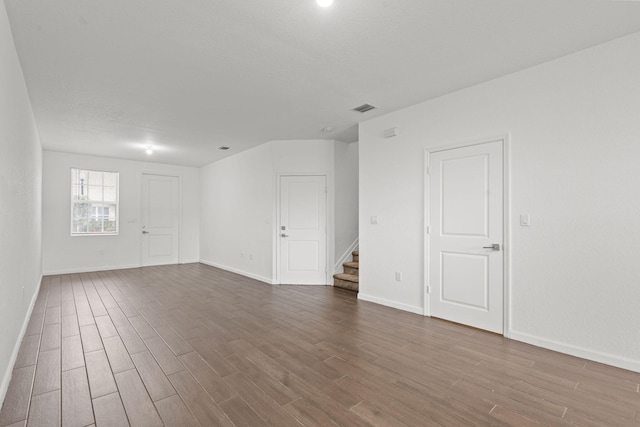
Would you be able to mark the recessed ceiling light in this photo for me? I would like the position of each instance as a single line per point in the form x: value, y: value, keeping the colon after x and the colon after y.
x: 149, y: 150
x: 223, y: 148
x: 324, y: 3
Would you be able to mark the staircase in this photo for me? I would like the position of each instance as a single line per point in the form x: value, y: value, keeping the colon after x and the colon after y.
x: 350, y: 278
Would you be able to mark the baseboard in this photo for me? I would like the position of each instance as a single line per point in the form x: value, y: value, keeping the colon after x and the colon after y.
x: 345, y: 256
x: 90, y: 269
x: 6, y: 379
x: 392, y: 304
x: 608, y: 359
x: 240, y: 272
x: 189, y: 261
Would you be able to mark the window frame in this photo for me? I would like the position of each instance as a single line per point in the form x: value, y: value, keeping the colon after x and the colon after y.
x: 94, y: 204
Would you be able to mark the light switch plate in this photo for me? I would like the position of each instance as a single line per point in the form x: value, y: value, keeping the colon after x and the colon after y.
x: 374, y: 220
x: 525, y: 220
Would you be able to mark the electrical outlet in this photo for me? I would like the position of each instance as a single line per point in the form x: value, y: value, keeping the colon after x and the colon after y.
x: 398, y: 276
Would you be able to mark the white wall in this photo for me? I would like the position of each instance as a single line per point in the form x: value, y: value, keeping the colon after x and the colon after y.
x: 239, y: 197
x: 238, y: 212
x: 346, y: 200
x: 575, y: 147
x: 63, y: 253
x: 20, y: 204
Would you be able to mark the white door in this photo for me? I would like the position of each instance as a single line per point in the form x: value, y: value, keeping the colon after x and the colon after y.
x: 465, y: 240
x: 302, y: 232
x: 160, y: 219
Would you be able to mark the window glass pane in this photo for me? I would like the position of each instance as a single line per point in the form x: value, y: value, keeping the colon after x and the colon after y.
x: 110, y: 212
x: 75, y: 192
x: 95, y: 193
x: 110, y: 179
x: 81, y: 192
x: 109, y: 194
x: 95, y: 226
x: 110, y: 226
x: 95, y: 178
x: 80, y: 226
x: 80, y: 210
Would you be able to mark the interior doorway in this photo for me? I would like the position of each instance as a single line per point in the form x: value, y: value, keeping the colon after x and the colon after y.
x: 465, y: 239
x: 302, y: 231
x: 160, y: 219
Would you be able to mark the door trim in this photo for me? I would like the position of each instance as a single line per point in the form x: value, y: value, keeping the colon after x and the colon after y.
x: 138, y: 225
x: 506, y: 207
x: 328, y: 227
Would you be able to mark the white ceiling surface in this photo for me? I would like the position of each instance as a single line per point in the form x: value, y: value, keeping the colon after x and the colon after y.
x: 105, y: 77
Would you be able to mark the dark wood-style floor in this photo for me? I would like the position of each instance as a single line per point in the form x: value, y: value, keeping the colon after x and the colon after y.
x: 194, y: 345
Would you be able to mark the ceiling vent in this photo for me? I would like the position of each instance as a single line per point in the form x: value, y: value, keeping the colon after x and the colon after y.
x: 223, y: 148
x: 364, y: 108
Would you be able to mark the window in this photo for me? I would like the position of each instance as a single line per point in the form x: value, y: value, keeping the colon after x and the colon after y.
x: 94, y: 202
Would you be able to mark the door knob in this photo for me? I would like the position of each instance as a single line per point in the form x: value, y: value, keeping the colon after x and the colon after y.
x: 494, y: 246
x: 284, y: 235
x: 145, y: 232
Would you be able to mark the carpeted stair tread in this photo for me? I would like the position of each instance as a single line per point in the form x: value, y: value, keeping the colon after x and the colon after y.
x: 347, y: 277
x: 355, y: 253
x: 346, y: 284
x: 349, y: 280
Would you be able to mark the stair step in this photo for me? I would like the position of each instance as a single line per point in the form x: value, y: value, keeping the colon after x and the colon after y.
x: 351, y: 268
x: 347, y: 277
x: 346, y: 281
x: 355, y: 255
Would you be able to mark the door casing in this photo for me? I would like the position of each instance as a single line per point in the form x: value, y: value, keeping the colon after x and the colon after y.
x: 505, y: 138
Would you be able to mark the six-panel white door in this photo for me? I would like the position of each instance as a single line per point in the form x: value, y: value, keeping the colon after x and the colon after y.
x: 302, y: 231
x: 160, y: 219
x: 465, y: 207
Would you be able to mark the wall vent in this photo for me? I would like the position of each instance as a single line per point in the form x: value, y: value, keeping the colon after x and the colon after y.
x: 223, y: 148
x: 364, y: 108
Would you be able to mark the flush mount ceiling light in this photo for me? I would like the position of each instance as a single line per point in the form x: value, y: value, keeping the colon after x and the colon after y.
x: 149, y: 150
x: 324, y: 3
x: 328, y: 129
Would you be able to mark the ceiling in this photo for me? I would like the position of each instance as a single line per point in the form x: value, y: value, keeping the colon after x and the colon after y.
x: 109, y: 77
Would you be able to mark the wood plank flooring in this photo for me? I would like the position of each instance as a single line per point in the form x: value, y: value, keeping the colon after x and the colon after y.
x: 193, y: 345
